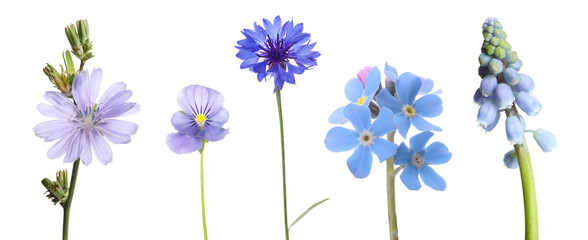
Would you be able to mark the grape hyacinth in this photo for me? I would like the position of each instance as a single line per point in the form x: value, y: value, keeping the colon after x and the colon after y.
x: 502, y: 89
x: 277, y: 51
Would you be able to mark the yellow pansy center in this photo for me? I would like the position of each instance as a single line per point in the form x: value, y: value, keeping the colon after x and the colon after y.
x: 361, y: 100
x: 200, y: 119
x: 408, y: 111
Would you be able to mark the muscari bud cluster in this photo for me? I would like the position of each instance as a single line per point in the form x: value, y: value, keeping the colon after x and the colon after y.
x: 502, y: 86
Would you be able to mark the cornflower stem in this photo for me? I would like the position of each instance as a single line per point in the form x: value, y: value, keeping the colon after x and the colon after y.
x: 279, y: 100
x: 528, y: 182
x: 202, y: 189
x: 70, y: 194
x: 390, y: 178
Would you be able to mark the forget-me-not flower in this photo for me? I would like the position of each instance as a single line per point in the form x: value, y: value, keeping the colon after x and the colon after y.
x: 408, y: 112
x: 365, y: 138
x: 358, y: 91
x: 202, y: 117
x: 417, y: 159
x: 82, y: 126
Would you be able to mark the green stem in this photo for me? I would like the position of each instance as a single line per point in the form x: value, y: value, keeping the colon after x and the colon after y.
x: 82, y: 63
x: 202, y: 188
x: 279, y: 100
x: 67, y: 206
x: 529, y: 195
x: 390, y: 177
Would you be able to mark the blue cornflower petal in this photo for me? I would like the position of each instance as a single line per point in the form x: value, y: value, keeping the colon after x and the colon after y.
x: 360, y: 162
x: 385, y: 99
x: 384, y: 123
x: 337, y: 116
x: 422, y: 124
x: 437, y: 153
x: 410, y: 177
x: 429, y: 106
x: 402, y: 123
x: 403, y: 155
x: 418, y: 142
x: 431, y: 178
x: 341, y: 139
x: 353, y: 90
x: 358, y: 115
x: 407, y: 87
x: 372, y: 82
x: 384, y: 149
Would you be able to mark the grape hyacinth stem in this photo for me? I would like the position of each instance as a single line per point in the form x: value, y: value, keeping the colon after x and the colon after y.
x: 528, y: 182
x: 67, y: 206
x: 390, y: 177
x: 279, y: 100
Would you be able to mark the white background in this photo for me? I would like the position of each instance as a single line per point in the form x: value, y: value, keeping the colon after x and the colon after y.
x: 148, y: 192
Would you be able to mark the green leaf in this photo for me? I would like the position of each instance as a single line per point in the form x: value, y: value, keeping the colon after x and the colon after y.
x: 306, y: 212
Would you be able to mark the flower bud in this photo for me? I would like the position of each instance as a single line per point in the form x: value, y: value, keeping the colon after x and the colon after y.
x: 529, y: 104
x: 363, y: 73
x: 74, y: 41
x: 504, y: 96
x: 484, y: 59
x: 545, y: 140
x: 526, y: 84
x: 492, y: 125
x: 479, y: 97
x: 514, y: 130
x: 60, y: 80
x: 510, y: 160
x: 488, y: 85
x: 487, y: 114
x: 511, y: 76
x: 511, y: 57
x: 495, y: 66
x: 516, y: 65
x: 84, y: 34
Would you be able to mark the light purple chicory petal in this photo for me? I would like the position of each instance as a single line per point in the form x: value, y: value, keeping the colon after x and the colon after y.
x: 101, y: 147
x: 117, y: 131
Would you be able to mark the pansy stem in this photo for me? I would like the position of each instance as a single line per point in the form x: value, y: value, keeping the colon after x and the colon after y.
x: 70, y: 194
x: 529, y: 195
x: 279, y: 100
x: 202, y: 189
x: 391, y: 194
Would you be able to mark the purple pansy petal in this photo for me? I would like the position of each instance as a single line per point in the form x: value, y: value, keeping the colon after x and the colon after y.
x: 403, y: 155
x: 215, y: 134
x: 372, y: 82
x: 402, y: 123
x: 185, y: 123
x: 385, y: 99
x: 341, y: 139
x: 384, y: 149
x: 358, y: 115
x: 423, y: 125
x: 353, y: 90
x: 437, y: 153
x: 360, y: 162
x: 384, y: 123
x: 101, y: 148
x: 186, y: 100
x: 431, y: 178
x: 407, y: 87
x: 429, y: 106
x: 419, y: 141
x: 118, y: 131
x: 219, y: 119
x: 182, y: 143
x: 410, y: 177
x: 337, y: 116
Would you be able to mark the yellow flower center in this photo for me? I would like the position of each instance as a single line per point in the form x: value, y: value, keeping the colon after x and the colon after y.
x: 361, y: 100
x: 200, y: 119
x: 408, y: 111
